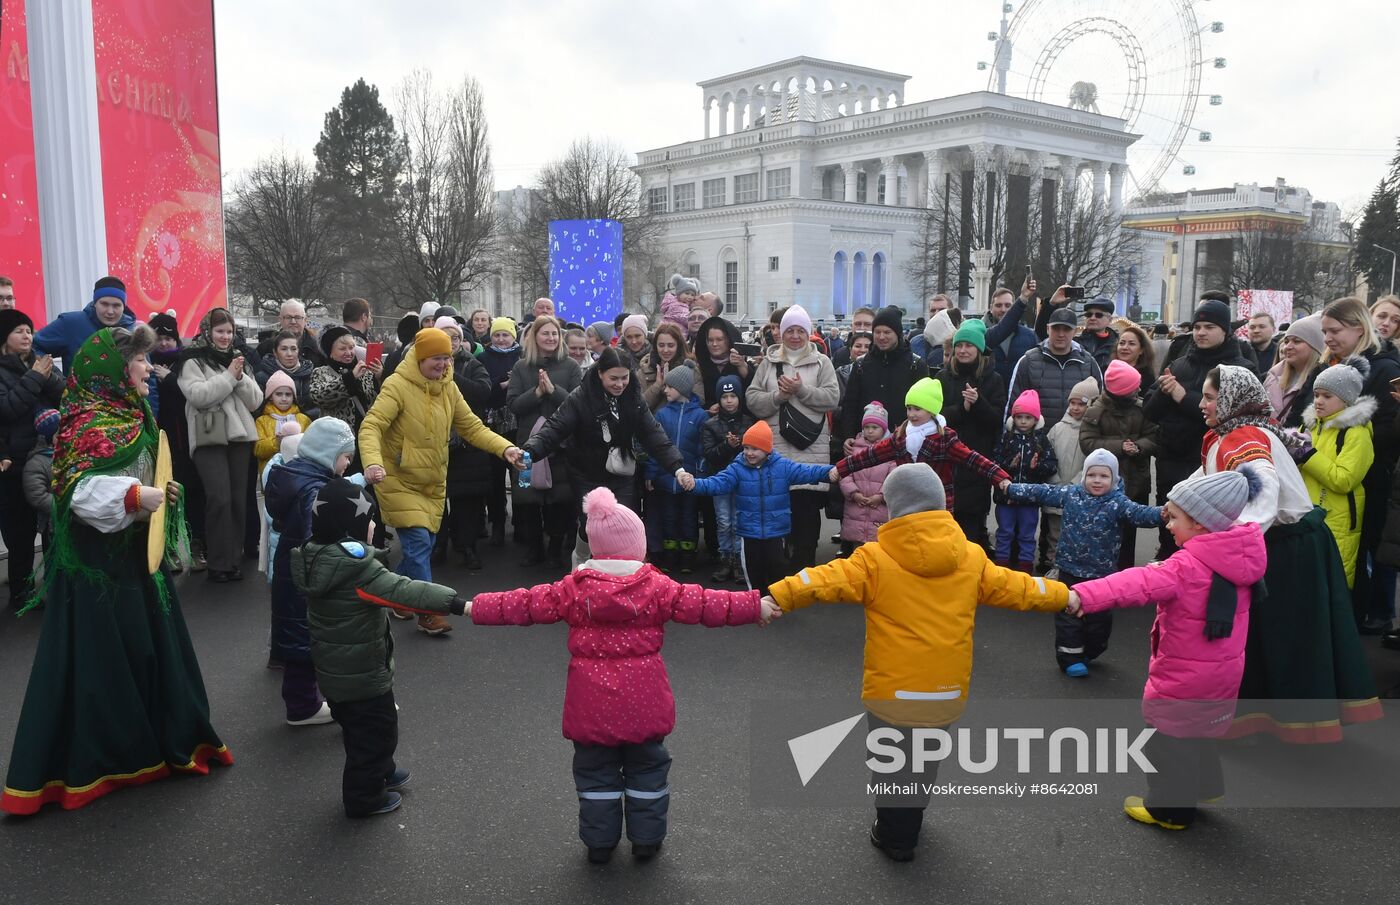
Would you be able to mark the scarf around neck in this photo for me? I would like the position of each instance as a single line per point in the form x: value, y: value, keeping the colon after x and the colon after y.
x: 915, y: 434
x: 203, y: 348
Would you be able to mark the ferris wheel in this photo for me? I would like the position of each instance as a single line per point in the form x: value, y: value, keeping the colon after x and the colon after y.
x: 1139, y: 60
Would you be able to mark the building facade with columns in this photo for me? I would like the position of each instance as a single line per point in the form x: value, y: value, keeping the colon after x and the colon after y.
x: 1202, y: 228
x: 813, y: 178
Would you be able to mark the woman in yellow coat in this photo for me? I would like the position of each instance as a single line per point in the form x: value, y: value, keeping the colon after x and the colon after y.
x: 403, y: 445
x: 1342, y: 450
x: 920, y: 582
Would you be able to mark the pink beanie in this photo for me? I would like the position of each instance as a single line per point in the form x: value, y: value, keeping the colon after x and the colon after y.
x: 1121, y: 379
x: 1028, y: 403
x: 796, y: 316
x: 279, y: 381
x: 633, y: 320
x: 875, y: 414
x: 614, y: 531
x: 289, y: 427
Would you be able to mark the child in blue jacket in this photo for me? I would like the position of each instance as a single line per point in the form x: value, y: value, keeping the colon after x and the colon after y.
x: 1095, y: 511
x: 683, y: 420
x: 760, y: 480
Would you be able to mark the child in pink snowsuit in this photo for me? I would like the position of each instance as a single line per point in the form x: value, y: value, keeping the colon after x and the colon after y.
x: 676, y: 303
x: 618, y: 706
x: 865, y: 510
x: 1203, y: 594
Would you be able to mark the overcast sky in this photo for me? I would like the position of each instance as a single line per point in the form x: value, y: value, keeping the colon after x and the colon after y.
x: 1307, y: 94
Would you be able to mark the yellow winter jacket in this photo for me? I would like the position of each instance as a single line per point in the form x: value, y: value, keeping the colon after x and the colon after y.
x: 406, y: 432
x: 920, y: 584
x: 1333, y: 473
x: 268, y: 442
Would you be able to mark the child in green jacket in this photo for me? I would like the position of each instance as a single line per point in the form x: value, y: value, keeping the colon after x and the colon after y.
x: 349, y: 591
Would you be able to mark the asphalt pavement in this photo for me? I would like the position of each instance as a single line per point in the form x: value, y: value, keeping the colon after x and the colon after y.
x: 491, y: 811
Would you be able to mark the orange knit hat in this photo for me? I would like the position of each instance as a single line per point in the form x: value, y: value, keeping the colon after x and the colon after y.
x: 760, y: 436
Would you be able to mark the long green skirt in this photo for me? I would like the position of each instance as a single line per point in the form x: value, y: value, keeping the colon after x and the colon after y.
x: 1305, y: 674
x: 115, y: 695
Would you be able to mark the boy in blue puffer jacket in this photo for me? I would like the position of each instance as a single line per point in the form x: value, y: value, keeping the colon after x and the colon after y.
x: 683, y: 420
x: 760, y: 480
x: 1095, y: 511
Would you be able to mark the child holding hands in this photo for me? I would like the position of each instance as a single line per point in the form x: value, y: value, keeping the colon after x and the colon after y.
x: 348, y: 592
x: 760, y: 479
x: 920, y: 583
x: 618, y: 706
x: 924, y: 437
x: 1094, y: 510
x: 1203, y: 594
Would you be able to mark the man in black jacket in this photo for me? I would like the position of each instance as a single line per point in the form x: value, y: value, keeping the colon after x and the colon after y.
x: 1175, y: 402
x: 884, y: 375
x: 1263, y: 342
x: 1098, y: 338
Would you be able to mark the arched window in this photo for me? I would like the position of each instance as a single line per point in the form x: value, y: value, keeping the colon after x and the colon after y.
x: 838, y: 284
x: 858, y: 280
x: 877, y: 280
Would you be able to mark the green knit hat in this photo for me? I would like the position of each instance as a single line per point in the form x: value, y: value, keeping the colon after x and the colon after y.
x: 927, y: 394
x: 972, y: 331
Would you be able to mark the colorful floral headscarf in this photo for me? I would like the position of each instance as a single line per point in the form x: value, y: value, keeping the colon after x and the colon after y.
x: 1242, y: 402
x: 105, y: 422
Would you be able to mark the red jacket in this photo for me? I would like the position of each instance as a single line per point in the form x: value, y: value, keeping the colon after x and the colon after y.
x: 617, y: 692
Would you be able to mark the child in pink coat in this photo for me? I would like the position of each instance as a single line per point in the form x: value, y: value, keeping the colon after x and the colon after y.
x: 618, y: 706
x: 1203, y: 594
x: 865, y: 510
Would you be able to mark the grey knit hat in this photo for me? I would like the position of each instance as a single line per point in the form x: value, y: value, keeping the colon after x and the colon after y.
x: 1216, y: 500
x: 1344, y: 380
x: 682, y: 380
x: 1309, y: 330
x: 325, y: 440
x: 1104, y: 459
x: 681, y: 284
x: 913, y: 488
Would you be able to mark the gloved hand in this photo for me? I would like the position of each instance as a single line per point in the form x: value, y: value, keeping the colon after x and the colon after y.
x: 1299, y: 444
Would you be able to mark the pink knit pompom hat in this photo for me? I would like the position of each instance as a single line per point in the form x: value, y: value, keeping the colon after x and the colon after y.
x: 614, y: 531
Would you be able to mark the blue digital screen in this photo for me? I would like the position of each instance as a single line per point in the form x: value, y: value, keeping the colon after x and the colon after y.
x: 585, y: 269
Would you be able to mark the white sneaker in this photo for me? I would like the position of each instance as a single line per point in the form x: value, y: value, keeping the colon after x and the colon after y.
x: 321, y: 716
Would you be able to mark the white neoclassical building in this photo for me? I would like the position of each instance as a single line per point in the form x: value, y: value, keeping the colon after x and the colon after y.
x: 813, y: 177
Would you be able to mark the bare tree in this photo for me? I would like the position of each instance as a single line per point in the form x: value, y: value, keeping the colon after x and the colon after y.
x: 1087, y: 245
x: 593, y: 180
x: 445, y: 219
x: 1064, y: 233
x: 277, y: 224
x: 1297, y: 259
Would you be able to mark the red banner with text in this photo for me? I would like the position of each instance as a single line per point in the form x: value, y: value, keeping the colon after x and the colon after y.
x: 158, y: 122
x: 21, y: 254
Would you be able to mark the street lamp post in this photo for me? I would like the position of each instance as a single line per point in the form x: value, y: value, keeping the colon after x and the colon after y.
x: 1392, y: 265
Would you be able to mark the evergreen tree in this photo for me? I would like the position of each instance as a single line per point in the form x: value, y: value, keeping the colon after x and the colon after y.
x: 359, y: 158
x: 1380, y: 226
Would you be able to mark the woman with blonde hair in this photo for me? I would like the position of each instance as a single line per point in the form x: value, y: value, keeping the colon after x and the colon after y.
x: 1348, y: 331
x: 1385, y: 316
x: 539, y: 383
x: 1288, y: 383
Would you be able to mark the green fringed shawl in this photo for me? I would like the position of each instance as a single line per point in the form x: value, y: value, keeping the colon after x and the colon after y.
x: 105, y: 426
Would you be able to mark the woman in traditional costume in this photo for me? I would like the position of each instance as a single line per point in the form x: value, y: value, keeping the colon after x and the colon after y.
x: 115, y: 695
x: 1304, y: 671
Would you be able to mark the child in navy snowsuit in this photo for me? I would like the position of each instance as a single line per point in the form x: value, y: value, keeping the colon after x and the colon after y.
x: 1095, y: 512
x: 1025, y: 453
x: 760, y: 480
x: 683, y: 420
x: 721, y: 443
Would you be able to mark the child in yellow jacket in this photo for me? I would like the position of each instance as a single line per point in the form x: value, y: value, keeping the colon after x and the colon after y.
x: 920, y: 582
x: 279, y: 409
x: 1341, y: 452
